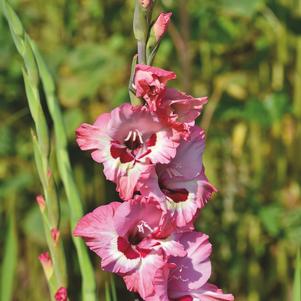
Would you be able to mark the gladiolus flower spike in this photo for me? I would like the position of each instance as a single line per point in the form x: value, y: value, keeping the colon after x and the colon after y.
x: 153, y: 153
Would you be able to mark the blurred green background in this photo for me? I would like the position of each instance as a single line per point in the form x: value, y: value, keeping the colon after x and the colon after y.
x: 244, y: 54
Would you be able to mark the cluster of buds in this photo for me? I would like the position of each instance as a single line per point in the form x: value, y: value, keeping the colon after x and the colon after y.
x: 46, y: 262
x: 45, y: 258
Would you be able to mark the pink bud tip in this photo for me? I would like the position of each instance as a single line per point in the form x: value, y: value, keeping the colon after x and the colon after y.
x: 61, y: 294
x: 45, y: 258
x: 161, y: 25
x: 41, y: 202
x: 55, y: 234
x: 146, y: 3
x: 46, y: 262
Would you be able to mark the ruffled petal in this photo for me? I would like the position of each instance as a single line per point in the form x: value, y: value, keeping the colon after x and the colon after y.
x: 187, y: 163
x: 98, y: 231
x: 164, y: 75
x: 127, y: 183
x: 160, y: 285
x: 185, y: 108
x: 210, y: 292
x: 141, y: 279
x: 193, y: 270
x: 198, y: 192
x: 169, y: 246
x: 165, y: 147
x: 140, y: 215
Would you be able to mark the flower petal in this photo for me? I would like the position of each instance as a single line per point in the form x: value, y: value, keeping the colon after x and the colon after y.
x: 210, y: 292
x: 193, y: 270
x: 141, y: 214
x: 97, y: 229
x: 199, y: 191
x: 187, y: 163
x: 141, y: 279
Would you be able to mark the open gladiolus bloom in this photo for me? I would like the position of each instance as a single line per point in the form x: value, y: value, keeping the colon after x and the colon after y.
x: 181, y: 186
x: 128, y: 141
x: 153, y: 153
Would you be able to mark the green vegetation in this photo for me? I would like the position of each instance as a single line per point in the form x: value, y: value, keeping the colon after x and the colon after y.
x: 245, y: 55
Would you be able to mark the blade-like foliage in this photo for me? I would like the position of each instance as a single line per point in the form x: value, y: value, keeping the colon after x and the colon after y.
x: 9, y: 264
x: 297, y: 279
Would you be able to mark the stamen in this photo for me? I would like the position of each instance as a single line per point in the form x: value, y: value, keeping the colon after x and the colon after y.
x: 143, y: 225
x: 128, y: 136
x: 140, y: 137
x: 133, y: 140
x: 134, y: 136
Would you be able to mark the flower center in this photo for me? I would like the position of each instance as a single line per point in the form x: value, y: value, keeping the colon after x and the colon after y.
x: 154, y: 90
x: 133, y: 140
x: 141, y: 231
x: 177, y: 195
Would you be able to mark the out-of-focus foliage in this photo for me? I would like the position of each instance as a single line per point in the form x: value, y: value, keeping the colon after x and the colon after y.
x: 297, y: 279
x: 245, y: 55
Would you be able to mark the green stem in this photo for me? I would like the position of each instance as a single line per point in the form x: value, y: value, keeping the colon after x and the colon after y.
x: 65, y: 170
x: 41, y: 143
x: 141, y: 52
x: 10, y: 254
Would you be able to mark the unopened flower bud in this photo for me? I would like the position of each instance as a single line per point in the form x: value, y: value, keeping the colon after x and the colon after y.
x: 61, y: 294
x: 55, y: 234
x: 146, y: 3
x: 41, y: 202
x: 46, y: 262
x: 161, y: 25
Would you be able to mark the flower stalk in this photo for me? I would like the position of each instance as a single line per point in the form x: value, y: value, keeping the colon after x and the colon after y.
x: 33, y: 70
x: 41, y: 145
x: 154, y: 156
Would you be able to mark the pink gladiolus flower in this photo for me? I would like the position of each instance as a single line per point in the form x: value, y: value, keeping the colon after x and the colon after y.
x: 161, y: 25
x: 128, y: 141
x: 61, y: 294
x: 153, y: 152
x: 179, y: 110
x: 181, y: 185
x: 46, y: 262
x: 150, y: 83
x: 41, y: 202
x: 55, y: 234
x: 132, y: 238
x: 185, y: 278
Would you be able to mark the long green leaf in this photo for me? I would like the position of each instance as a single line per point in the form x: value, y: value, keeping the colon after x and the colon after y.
x: 9, y: 264
x: 107, y: 292
x: 63, y: 161
x: 25, y: 47
x: 113, y: 288
x: 40, y: 143
x: 297, y: 279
